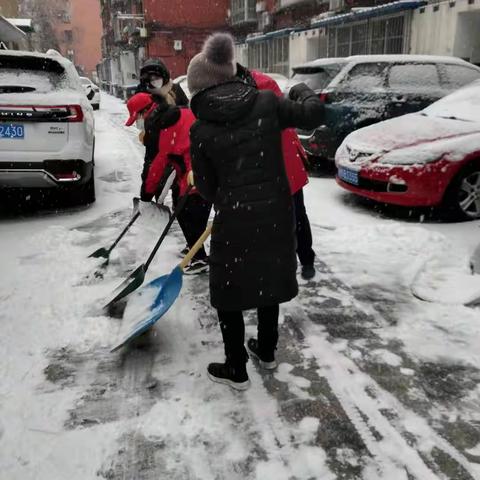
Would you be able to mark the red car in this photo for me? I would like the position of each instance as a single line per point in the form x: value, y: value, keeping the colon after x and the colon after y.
x: 425, y: 159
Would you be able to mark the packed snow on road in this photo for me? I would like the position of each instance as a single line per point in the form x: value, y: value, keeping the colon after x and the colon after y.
x: 378, y: 374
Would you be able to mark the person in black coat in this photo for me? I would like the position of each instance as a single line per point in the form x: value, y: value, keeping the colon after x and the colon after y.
x: 155, y: 79
x: 238, y: 166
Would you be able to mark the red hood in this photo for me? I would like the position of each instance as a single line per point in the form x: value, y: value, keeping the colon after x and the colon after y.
x: 408, y: 131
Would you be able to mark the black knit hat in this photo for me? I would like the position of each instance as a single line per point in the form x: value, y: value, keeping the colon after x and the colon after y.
x: 156, y: 66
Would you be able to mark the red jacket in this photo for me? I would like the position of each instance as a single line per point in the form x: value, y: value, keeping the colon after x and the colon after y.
x: 174, y: 149
x: 293, y: 153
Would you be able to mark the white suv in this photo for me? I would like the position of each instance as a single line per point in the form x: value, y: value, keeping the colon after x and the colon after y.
x: 46, y: 126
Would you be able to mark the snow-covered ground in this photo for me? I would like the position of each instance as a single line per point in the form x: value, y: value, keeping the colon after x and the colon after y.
x: 373, y: 383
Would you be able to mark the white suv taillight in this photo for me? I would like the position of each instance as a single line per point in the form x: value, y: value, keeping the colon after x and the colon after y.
x: 65, y: 113
x: 41, y: 113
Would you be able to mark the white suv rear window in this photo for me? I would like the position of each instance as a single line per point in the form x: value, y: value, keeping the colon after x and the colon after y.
x: 30, y: 74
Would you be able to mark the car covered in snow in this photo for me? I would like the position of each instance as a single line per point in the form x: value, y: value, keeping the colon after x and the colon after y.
x: 92, y: 92
x: 46, y: 126
x: 367, y: 89
x: 425, y: 159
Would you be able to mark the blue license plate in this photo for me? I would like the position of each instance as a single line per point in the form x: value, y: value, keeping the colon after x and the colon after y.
x: 348, y: 176
x: 12, y: 131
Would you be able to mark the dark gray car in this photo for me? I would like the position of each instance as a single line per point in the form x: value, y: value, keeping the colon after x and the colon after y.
x: 363, y: 90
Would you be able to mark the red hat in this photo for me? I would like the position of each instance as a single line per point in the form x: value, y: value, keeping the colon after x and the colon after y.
x: 137, y: 104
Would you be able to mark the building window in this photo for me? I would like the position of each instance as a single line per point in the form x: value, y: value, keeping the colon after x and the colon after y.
x: 394, y: 35
x: 344, y: 41
x: 377, y: 44
x: 270, y: 55
x: 359, y: 39
x: 332, y: 42
x: 68, y: 35
x: 243, y: 11
x: 377, y: 36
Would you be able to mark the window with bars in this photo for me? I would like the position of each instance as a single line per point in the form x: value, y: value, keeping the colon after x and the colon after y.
x: 359, y: 39
x: 394, y: 35
x: 376, y: 36
x: 243, y: 10
x: 343, y: 41
x: 270, y: 55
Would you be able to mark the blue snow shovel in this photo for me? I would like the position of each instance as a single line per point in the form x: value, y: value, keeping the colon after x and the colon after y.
x: 169, y: 287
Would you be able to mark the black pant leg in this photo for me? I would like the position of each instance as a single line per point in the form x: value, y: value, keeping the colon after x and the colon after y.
x: 267, y: 331
x: 193, y: 221
x: 304, y: 233
x: 233, y: 333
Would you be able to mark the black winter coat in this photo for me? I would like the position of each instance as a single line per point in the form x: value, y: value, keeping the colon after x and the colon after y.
x: 238, y: 166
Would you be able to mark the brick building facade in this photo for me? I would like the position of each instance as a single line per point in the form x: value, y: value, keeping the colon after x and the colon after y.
x: 134, y: 30
x: 177, y: 30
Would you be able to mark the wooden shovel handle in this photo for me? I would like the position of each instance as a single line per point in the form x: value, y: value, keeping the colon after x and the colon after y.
x: 196, y: 247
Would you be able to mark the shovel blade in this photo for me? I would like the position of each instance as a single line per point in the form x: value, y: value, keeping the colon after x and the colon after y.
x: 100, y: 253
x: 169, y: 287
x: 129, y: 285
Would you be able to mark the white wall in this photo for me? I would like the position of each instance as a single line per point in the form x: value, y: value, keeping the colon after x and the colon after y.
x: 467, y: 40
x: 115, y: 71
x: 128, y: 68
x: 448, y: 31
x: 306, y: 46
x: 241, y: 54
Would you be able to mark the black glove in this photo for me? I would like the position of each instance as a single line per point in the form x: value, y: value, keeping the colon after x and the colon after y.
x: 144, y: 196
x: 301, y: 92
x: 179, y: 161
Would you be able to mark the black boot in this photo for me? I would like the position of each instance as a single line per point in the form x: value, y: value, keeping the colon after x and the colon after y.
x: 267, y: 363
x: 308, y: 272
x: 235, y: 377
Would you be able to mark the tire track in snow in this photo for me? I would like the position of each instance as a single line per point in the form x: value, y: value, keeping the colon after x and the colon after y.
x: 354, y: 388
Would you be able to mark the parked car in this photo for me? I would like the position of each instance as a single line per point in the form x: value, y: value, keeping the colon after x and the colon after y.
x: 46, y: 126
x: 92, y: 92
x: 425, y: 159
x: 363, y: 90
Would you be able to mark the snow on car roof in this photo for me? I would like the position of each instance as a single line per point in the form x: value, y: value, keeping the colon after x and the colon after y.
x: 387, y: 58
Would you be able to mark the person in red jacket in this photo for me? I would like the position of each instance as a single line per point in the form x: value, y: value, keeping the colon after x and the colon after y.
x: 173, y: 152
x: 294, y: 156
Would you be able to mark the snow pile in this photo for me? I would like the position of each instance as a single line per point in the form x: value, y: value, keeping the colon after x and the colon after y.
x: 381, y: 262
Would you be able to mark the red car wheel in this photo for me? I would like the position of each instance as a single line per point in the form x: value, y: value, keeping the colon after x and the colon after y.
x: 462, y: 201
